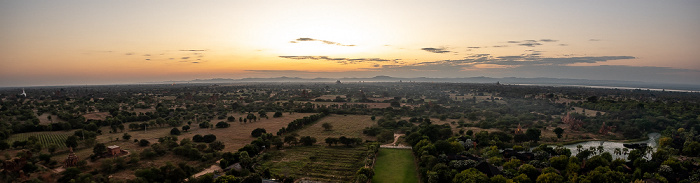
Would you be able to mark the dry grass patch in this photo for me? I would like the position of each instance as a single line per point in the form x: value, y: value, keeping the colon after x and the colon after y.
x: 96, y: 115
x: 350, y: 126
x: 234, y: 137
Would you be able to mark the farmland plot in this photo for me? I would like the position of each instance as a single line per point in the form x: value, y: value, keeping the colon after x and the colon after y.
x: 320, y: 163
x: 45, y: 138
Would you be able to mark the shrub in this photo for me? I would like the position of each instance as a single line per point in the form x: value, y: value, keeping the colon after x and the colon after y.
x: 222, y: 125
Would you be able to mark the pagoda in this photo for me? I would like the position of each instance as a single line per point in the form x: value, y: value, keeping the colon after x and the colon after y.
x: 71, y: 160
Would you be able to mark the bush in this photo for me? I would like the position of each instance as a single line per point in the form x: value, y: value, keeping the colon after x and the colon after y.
x: 204, y: 125
x: 222, y: 125
x: 144, y: 143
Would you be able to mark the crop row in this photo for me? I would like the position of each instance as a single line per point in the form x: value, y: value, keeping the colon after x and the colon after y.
x: 45, y: 139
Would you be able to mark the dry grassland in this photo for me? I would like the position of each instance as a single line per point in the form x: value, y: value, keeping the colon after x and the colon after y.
x: 350, y: 126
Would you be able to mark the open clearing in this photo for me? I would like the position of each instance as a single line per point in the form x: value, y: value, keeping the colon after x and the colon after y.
x: 394, y: 166
x: 320, y: 163
x: 350, y: 126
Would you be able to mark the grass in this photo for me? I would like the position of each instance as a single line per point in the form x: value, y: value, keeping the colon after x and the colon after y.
x: 320, y: 163
x: 394, y: 165
x: 350, y: 126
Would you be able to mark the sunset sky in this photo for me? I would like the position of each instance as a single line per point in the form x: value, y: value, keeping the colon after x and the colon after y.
x: 111, y: 42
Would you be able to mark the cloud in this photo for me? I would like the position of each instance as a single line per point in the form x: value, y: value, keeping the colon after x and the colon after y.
x: 323, y: 41
x: 147, y: 55
x: 192, y: 50
x: 533, y: 59
x: 185, y: 58
x: 602, y: 72
x: 130, y: 53
x: 513, y: 41
x: 548, y: 40
x: 499, y: 46
x: 435, y: 50
x: 473, y: 47
x: 283, y: 71
x: 594, y: 40
x: 563, y: 44
x: 342, y: 60
x: 530, y: 44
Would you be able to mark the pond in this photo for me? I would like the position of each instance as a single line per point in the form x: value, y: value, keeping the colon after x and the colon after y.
x: 610, y: 147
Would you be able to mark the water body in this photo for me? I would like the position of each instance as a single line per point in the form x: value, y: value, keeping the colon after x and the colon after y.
x: 652, y: 142
x: 612, y: 87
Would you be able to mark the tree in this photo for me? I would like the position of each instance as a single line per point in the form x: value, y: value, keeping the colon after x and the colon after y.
x: 126, y: 136
x: 262, y: 113
x: 291, y: 140
x: 331, y: 140
x: 327, y: 126
x: 559, y: 132
x: 533, y: 134
x: 52, y: 148
x: 208, y: 138
x: 222, y: 125
x: 217, y: 145
x: 72, y: 141
x: 277, y: 114
x: 368, y: 172
x: 529, y: 170
x: 186, y: 128
x: 197, y: 138
x: 175, y: 131
x: 258, y: 132
x: 471, y: 175
x: 307, y: 140
x: 144, y: 143
x: 550, y: 178
x: 231, y: 119
x: 99, y: 149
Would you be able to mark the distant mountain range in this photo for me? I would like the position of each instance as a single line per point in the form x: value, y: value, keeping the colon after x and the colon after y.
x: 506, y: 80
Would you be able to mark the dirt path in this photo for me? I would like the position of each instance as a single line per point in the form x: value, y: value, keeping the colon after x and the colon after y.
x: 396, y: 138
x: 211, y: 169
x: 394, y: 145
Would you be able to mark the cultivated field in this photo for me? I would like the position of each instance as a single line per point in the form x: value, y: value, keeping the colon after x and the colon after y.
x: 320, y: 163
x: 350, y: 126
x: 45, y: 138
x: 394, y: 165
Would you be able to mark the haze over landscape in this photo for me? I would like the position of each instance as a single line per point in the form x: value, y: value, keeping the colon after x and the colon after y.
x: 118, y: 42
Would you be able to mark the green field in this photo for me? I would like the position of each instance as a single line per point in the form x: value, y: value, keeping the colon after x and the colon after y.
x: 320, y: 163
x: 394, y: 166
x: 45, y: 138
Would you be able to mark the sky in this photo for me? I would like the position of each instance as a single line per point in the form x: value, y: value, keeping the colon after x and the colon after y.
x: 118, y: 42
